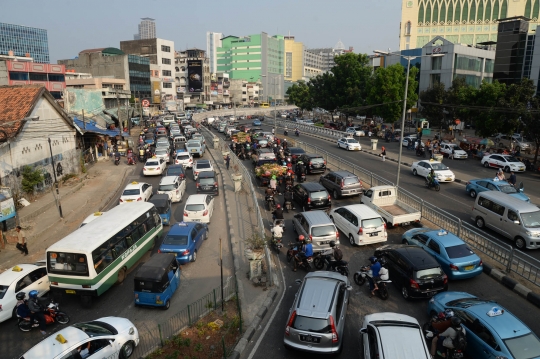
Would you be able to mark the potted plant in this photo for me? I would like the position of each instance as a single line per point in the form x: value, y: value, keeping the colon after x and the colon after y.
x: 236, y: 177
x: 255, y: 246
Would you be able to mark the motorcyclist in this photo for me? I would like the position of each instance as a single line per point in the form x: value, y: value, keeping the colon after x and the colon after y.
x: 337, y: 254
x: 287, y: 197
x: 300, y: 169
x: 296, y: 132
x: 22, y: 307
x: 273, y: 183
x: 36, y: 311
x: 117, y: 156
x: 375, y: 269
x: 286, y: 131
x: 446, y: 338
x: 277, y: 230
x: 431, y: 177
x: 141, y: 152
x: 305, y: 251
x: 278, y: 212
x: 130, y: 158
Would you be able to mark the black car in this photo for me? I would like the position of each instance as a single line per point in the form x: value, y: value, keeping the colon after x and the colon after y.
x: 207, y: 183
x: 311, y: 195
x: 294, y: 152
x: 413, y: 270
x: 313, y: 163
x: 176, y: 170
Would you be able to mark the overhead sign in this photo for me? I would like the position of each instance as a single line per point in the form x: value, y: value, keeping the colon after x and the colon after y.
x: 145, y: 103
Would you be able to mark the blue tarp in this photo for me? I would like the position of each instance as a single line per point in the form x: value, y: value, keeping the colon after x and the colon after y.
x: 91, y: 126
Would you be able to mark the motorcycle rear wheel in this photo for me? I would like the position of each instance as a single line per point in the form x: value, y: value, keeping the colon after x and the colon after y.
x: 358, y: 279
x: 344, y: 271
x: 62, y: 318
x: 383, y: 292
x: 289, y: 256
x: 437, y: 187
x: 318, y: 263
x: 25, y: 325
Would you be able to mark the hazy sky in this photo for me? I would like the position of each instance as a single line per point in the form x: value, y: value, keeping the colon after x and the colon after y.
x: 76, y: 25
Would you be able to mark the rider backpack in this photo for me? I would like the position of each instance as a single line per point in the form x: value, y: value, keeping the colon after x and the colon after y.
x: 338, y: 254
x: 460, y: 341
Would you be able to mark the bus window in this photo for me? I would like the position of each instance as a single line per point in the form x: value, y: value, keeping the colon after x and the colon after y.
x: 102, y: 259
x: 150, y: 223
x: 119, y: 248
x: 67, y: 263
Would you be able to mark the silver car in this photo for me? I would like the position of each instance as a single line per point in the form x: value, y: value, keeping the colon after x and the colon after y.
x: 317, y: 318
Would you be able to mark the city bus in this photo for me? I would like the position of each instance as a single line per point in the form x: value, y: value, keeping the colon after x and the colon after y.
x: 264, y: 105
x: 90, y: 260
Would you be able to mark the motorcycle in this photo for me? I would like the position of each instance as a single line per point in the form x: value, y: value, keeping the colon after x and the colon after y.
x: 297, y: 133
x: 435, y: 184
x: 362, y: 275
x: 302, y: 177
x: 420, y: 152
x: 52, y: 314
x: 142, y: 158
x: 288, y: 206
x: 276, y: 242
x: 271, y: 203
x: 286, y: 133
x: 325, y: 258
x: 306, y: 263
x: 430, y: 334
x: 117, y: 160
x: 131, y: 161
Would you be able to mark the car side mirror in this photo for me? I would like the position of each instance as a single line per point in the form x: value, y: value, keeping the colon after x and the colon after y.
x: 516, y: 222
x: 349, y: 288
x: 111, y: 342
x: 363, y: 331
x: 297, y: 216
x: 298, y: 281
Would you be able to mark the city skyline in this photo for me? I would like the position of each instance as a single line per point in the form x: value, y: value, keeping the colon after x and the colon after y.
x: 352, y: 24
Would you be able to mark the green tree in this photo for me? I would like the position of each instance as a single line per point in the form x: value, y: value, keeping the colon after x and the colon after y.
x: 489, y: 101
x: 531, y: 125
x: 347, y: 86
x: 432, y: 104
x: 30, y: 179
x: 300, y: 96
x: 459, y: 97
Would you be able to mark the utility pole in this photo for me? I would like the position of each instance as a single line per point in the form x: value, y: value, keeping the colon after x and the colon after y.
x: 118, y: 114
x: 221, y: 268
x: 55, y: 181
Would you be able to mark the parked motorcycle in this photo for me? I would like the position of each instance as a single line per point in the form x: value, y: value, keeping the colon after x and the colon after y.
x: 306, y: 263
x: 302, y: 177
x: 52, y: 314
x: 320, y: 259
x: 288, y: 206
x: 362, y: 275
x: 433, y: 184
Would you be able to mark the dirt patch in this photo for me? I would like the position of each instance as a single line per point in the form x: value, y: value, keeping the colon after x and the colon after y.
x: 214, y: 336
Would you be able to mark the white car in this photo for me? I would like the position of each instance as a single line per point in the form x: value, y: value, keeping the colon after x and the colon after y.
x: 411, y: 138
x: 349, y: 143
x: 136, y: 192
x: 173, y: 186
x: 109, y: 337
x: 22, y: 277
x: 199, y: 208
x: 423, y: 168
x: 162, y: 152
x: 355, y: 131
x: 91, y: 218
x: 506, y: 162
x: 308, y: 122
x: 447, y: 148
x: 184, y: 159
x: 154, y: 166
x: 201, y: 165
x: 268, y: 135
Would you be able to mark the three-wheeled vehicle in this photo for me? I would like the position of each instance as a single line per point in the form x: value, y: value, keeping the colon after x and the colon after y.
x: 162, y: 202
x: 157, y: 280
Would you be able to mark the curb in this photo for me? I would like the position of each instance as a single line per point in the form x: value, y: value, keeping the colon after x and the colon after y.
x: 513, y: 285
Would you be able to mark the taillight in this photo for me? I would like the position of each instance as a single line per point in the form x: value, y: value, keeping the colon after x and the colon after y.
x: 360, y: 231
x: 468, y: 182
x: 159, y: 250
x: 481, y: 263
x: 413, y: 284
x: 196, y: 184
x: 445, y: 279
x: 185, y: 214
x: 196, y: 173
x: 329, y: 198
x: 190, y: 160
x: 342, y: 184
x: 309, y: 200
x: 157, y: 168
x: 333, y: 329
x: 121, y: 200
x: 384, y: 224
x: 311, y: 237
x: 215, y: 184
x: 205, y: 213
x: 324, y: 162
x: 54, y: 283
x: 136, y: 295
x: 186, y: 252
x: 144, y: 168
x: 290, y: 322
x: 453, y: 267
x: 139, y: 199
x: 337, y: 234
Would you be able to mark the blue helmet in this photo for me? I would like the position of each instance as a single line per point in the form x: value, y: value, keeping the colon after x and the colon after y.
x: 33, y: 294
x: 373, y: 259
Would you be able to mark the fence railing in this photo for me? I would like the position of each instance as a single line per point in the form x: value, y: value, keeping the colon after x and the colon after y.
x: 152, y: 340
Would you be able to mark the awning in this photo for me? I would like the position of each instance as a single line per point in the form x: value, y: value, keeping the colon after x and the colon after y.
x: 92, y: 127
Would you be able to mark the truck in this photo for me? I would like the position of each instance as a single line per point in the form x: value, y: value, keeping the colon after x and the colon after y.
x: 384, y: 200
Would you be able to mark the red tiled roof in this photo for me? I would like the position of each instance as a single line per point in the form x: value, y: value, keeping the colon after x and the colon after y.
x: 16, y: 103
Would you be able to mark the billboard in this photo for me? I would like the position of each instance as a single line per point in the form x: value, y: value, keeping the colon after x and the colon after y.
x: 195, y: 75
x: 156, y: 92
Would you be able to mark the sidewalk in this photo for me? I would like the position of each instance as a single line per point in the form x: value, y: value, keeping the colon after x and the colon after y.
x: 41, y: 220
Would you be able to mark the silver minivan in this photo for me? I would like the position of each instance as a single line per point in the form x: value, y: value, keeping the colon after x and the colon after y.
x: 509, y: 216
x: 316, y: 227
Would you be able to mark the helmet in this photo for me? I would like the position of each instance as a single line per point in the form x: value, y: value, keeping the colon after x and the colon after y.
x: 448, y: 313
x: 456, y: 322
x: 20, y: 295
x: 332, y: 244
x: 299, y: 162
x: 33, y: 294
x: 278, y: 206
x: 373, y: 259
x: 274, y: 177
x: 301, y: 237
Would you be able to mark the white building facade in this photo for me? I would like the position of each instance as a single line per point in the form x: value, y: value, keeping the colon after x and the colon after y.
x: 165, y: 60
x: 147, y: 29
x: 213, y: 41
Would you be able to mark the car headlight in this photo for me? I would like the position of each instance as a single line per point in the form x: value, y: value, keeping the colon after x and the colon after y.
x: 131, y: 331
x: 431, y: 301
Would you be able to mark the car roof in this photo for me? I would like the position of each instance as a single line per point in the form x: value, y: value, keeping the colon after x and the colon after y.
x: 53, y: 348
x: 295, y: 149
x: 317, y: 295
x: 505, y: 325
x: 416, y: 256
x: 447, y: 239
x: 168, y: 180
x: 312, y: 155
x: 363, y: 211
x: 196, y: 198
x: 206, y: 174
x: 312, y: 186
x: 509, y: 201
x: 344, y: 173
x: 202, y: 161
x: 159, y: 199
x: 10, y: 275
x: 134, y: 184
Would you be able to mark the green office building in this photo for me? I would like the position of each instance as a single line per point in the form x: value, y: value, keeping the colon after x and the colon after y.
x: 255, y: 58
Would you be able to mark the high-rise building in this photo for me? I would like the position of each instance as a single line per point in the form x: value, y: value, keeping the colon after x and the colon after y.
x: 510, y: 54
x: 253, y: 58
x: 193, y: 76
x: 459, y: 21
x: 147, y: 29
x: 18, y: 40
x: 329, y: 53
x: 294, y: 59
x: 213, y: 41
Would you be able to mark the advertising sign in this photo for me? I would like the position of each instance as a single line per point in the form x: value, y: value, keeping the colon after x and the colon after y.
x: 195, y: 82
x: 156, y: 91
x: 7, y: 209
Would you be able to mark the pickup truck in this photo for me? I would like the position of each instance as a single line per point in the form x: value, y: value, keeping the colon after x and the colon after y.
x: 384, y: 200
x: 195, y: 147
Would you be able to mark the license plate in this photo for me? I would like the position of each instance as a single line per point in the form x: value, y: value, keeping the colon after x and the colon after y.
x: 469, y: 267
x: 196, y: 220
x: 324, y: 242
x: 448, y: 178
x: 193, y: 150
x: 405, y: 223
x: 69, y: 291
x: 159, y: 302
x: 430, y: 294
x: 129, y: 200
x: 458, y: 355
x: 374, y: 234
x: 310, y: 339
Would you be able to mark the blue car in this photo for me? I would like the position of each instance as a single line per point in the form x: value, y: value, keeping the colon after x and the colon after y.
x: 457, y: 260
x: 492, y: 331
x: 256, y: 123
x: 184, y: 240
x: 487, y: 184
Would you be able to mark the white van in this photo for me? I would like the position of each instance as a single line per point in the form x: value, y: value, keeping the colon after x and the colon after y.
x: 173, y: 186
x: 210, y: 120
x: 511, y: 217
x: 360, y: 224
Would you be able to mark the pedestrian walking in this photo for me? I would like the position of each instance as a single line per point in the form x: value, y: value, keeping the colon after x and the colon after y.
x: 21, y: 241
x: 383, y: 153
x: 512, y: 179
x: 228, y: 160
x: 452, y: 152
x: 431, y: 150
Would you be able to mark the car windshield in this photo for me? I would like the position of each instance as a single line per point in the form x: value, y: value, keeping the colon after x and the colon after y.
x: 507, y: 188
x: 166, y: 187
x: 319, y: 194
x: 438, y: 166
x: 352, y: 140
x: 314, y: 325
x: 203, y: 165
x: 372, y: 223
x: 182, y: 157
x: 161, y: 152
x: 94, y: 328
x: 152, y: 163
x: 193, y: 144
x: 323, y: 231
x: 194, y: 207
x: 531, y: 219
x: 459, y: 251
x: 511, y: 159
x: 350, y: 180
x: 524, y: 347
x: 206, y: 181
x: 131, y: 192
x: 466, y: 302
x: 3, y: 290
x: 428, y: 273
x: 316, y: 160
x: 179, y: 240
x: 175, y: 171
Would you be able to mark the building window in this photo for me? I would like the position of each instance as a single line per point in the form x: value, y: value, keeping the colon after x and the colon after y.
x: 408, y: 28
x: 165, y: 48
x: 468, y: 63
x: 166, y: 72
x: 434, y: 79
x: 288, y: 62
x: 165, y: 61
x: 436, y: 63
x: 167, y: 85
x: 489, y: 66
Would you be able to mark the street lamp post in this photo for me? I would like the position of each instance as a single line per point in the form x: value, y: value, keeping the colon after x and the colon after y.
x: 408, y: 58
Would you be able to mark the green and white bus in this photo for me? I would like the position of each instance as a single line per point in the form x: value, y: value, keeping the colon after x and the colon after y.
x: 90, y: 260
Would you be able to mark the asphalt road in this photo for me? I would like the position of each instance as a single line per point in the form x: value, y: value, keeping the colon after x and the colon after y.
x: 197, y: 279
x: 269, y: 341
